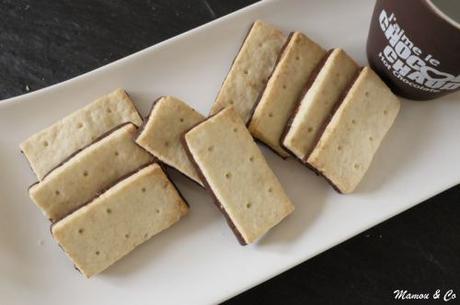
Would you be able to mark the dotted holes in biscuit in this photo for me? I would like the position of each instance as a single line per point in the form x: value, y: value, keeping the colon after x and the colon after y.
x: 297, y: 57
x: 157, y: 211
x: 45, y: 143
x: 146, y: 235
x: 228, y: 175
x: 80, y: 231
x: 181, y: 120
x: 284, y: 86
x: 85, y: 174
x: 246, y: 72
x: 210, y: 148
x: 57, y: 192
x: 270, y: 115
x: 356, y: 166
x: 385, y: 112
x: 270, y: 190
x: 126, y: 235
x: 339, y: 147
x: 80, y: 125
x: 97, y: 253
x: 116, y: 154
x: 235, y: 129
x: 251, y: 159
x: 143, y: 190
x: 109, y: 110
x: 353, y: 122
x: 231, y: 102
x: 108, y: 211
x: 166, y: 143
x: 248, y: 205
x: 371, y: 139
x: 310, y: 129
x: 367, y: 94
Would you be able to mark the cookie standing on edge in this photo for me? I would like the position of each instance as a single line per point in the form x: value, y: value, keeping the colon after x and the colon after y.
x: 48, y: 148
x: 125, y: 216
x: 306, y: 124
x: 88, y: 172
x: 346, y: 148
x: 294, y: 68
x: 250, y: 70
x: 236, y: 173
x: 163, y: 130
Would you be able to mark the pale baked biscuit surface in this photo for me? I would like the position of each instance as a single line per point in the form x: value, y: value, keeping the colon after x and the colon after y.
x: 88, y: 172
x: 125, y: 216
x: 162, y: 133
x: 316, y: 105
x: 48, y: 148
x: 246, y: 188
x: 250, y: 70
x: 298, y: 60
x: 350, y: 140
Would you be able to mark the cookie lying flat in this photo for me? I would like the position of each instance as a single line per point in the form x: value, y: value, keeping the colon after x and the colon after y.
x: 48, y: 148
x: 250, y: 70
x: 297, y: 62
x: 90, y: 171
x: 236, y: 173
x: 123, y: 217
x: 306, y: 124
x: 163, y: 131
x: 350, y: 140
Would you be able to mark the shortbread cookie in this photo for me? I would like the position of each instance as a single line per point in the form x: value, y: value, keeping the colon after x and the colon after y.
x: 48, y: 148
x: 297, y: 62
x: 90, y: 171
x: 350, y: 140
x: 163, y: 131
x: 317, y: 105
x: 236, y: 173
x: 250, y: 70
x: 125, y: 216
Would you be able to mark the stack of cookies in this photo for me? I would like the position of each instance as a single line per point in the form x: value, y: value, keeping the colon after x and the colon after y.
x: 103, y: 193
x: 318, y: 106
x: 101, y: 185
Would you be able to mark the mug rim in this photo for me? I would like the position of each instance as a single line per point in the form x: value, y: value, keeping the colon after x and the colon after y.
x: 441, y: 14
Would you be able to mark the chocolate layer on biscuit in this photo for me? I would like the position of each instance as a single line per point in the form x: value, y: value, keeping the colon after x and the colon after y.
x: 283, y: 49
x: 105, y: 189
x: 323, y: 128
x: 234, y: 58
x: 161, y: 162
x: 208, y: 188
x: 307, y: 87
x: 102, y: 136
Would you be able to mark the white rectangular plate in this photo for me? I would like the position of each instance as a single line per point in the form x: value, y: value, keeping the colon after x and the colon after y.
x: 199, y: 260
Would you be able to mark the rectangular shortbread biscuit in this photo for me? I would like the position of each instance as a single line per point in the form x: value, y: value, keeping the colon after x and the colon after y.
x: 250, y: 70
x: 125, y: 216
x: 346, y: 148
x: 48, y: 148
x: 297, y: 62
x: 237, y: 174
x: 316, y: 106
x: 163, y: 131
x: 88, y: 172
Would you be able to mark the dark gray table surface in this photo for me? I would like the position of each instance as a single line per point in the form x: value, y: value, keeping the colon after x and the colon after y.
x: 46, y: 42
